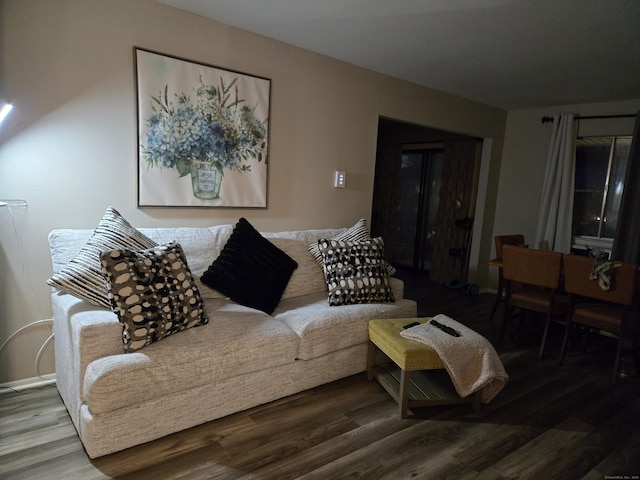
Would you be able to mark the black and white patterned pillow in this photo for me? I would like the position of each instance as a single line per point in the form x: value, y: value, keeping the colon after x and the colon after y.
x: 355, y: 271
x: 152, y: 292
x: 250, y: 270
x: 82, y: 276
x: 359, y: 232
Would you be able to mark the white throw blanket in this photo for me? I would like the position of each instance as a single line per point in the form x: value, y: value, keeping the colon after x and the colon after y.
x: 470, y: 360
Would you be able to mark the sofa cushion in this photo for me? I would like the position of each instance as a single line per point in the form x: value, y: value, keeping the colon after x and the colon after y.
x: 308, y: 277
x: 237, y: 340
x: 153, y: 293
x: 82, y: 276
x: 250, y: 269
x: 323, y: 329
x: 355, y: 271
x: 359, y: 232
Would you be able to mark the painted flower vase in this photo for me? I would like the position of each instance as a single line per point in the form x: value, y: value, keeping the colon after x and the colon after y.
x: 206, y: 180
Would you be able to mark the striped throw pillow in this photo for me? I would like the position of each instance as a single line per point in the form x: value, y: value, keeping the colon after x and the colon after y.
x: 82, y: 276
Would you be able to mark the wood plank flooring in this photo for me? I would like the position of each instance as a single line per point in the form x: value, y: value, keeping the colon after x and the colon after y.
x: 550, y: 422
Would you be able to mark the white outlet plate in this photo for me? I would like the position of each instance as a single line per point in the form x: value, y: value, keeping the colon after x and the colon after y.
x: 340, y: 180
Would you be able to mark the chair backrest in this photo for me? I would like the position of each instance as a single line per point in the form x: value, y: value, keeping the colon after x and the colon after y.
x: 502, y: 240
x: 541, y: 268
x: 577, y: 269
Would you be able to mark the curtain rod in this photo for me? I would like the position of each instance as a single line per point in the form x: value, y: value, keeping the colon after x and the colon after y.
x: 547, y: 119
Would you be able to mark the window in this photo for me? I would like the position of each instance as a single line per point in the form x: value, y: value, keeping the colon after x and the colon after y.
x: 601, y: 163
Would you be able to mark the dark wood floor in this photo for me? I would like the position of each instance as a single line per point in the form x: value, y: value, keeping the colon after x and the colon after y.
x: 549, y: 422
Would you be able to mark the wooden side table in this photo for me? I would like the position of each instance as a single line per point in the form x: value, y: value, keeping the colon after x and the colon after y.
x: 411, y: 372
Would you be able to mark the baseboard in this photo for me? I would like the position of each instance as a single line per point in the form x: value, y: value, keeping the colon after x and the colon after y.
x: 27, y: 383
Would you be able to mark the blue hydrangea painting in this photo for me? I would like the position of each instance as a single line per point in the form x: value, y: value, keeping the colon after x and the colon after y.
x: 202, y: 134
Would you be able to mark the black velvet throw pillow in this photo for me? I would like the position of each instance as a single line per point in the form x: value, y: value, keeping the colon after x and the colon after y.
x: 250, y: 270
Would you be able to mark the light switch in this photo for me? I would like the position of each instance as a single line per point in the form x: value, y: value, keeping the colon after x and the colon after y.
x: 340, y: 180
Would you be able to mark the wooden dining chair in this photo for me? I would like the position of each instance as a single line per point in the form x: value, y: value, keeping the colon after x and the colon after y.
x: 500, y: 241
x: 532, y: 279
x: 606, y: 312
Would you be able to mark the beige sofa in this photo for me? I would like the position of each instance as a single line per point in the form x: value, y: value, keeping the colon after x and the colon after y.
x: 240, y: 359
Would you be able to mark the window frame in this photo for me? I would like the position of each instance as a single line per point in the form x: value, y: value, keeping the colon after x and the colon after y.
x: 589, y: 242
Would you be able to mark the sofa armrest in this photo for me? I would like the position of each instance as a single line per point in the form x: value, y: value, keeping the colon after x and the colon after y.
x: 397, y: 286
x: 82, y: 334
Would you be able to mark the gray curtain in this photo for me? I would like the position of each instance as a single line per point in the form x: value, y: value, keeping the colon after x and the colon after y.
x: 553, y: 230
x: 626, y: 246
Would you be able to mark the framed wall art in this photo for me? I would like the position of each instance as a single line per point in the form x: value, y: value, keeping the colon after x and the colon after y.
x: 203, y: 134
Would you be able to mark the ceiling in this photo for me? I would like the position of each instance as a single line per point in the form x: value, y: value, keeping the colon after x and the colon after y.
x: 512, y: 54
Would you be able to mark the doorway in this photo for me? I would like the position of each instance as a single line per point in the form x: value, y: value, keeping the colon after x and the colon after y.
x: 418, y: 221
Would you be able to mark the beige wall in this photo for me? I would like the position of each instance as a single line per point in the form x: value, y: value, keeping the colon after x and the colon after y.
x: 69, y: 147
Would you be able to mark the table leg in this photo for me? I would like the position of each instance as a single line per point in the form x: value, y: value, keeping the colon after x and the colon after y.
x: 403, y: 400
x: 371, y: 356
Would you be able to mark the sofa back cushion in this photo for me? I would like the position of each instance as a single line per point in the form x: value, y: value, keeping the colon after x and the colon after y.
x: 308, y: 277
x: 202, y: 245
